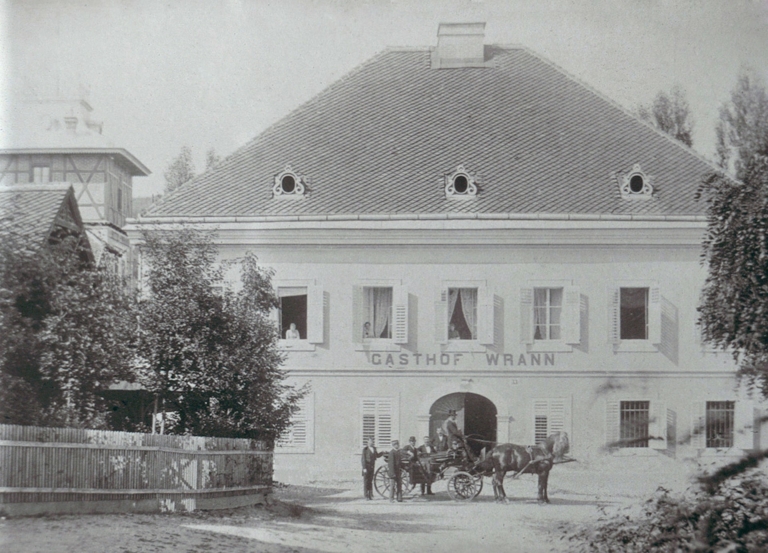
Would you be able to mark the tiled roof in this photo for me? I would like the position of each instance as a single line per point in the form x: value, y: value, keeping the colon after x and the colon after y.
x: 380, y: 140
x: 30, y: 211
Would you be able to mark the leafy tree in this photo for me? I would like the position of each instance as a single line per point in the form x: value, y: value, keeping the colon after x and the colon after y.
x: 211, y: 159
x: 210, y: 353
x: 180, y: 170
x: 742, y: 130
x: 670, y: 114
x: 66, y: 334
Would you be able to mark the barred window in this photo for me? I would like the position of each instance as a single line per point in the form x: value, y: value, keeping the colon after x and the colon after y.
x: 633, y: 423
x: 719, y: 423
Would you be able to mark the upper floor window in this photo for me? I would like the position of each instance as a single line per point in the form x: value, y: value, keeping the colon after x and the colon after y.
x: 633, y: 313
x: 460, y: 184
x: 41, y: 174
x: 636, y: 313
x: 547, y: 313
x: 288, y: 184
x: 380, y: 315
x: 377, y: 312
x: 462, y: 307
x: 301, y: 317
x: 468, y: 318
x: 293, y: 312
x: 550, y: 317
x: 635, y: 184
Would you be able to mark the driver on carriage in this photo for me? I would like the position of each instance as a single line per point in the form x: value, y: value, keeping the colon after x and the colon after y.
x: 454, y: 433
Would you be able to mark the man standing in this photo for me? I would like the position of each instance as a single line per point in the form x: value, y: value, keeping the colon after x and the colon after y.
x: 394, y: 465
x: 453, y: 432
x: 369, y: 464
x: 424, y: 452
x: 441, y: 442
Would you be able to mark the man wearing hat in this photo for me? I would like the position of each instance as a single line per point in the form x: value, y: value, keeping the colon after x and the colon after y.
x: 453, y: 432
x: 394, y: 465
x: 441, y: 441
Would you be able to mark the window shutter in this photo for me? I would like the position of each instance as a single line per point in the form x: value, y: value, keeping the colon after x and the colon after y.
x: 572, y: 315
x: 378, y: 421
x: 357, y: 314
x: 315, y: 314
x: 654, y: 315
x: 614, y: 335
x: 657, y: 426
x: 540, y: 420
x: 385, y: 422
x: 699, y: 424
x: 556, y: 415
x: 274, y: 317
x: 441, y: 317
x: 611, y: 423
x: 485, y: 323
x: 526, y: 315
x: 744, y: 425
x: 301, y: 432
x: 400, y: 308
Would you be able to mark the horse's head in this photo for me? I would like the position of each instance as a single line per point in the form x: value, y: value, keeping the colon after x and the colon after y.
x: 557, y: 444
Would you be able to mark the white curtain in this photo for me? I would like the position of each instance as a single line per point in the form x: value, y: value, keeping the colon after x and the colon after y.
x: 469, y: 307
x: 382, y: 305
x: 453, y: 295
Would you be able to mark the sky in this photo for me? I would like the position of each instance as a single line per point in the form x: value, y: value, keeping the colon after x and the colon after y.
x: 216, y: 73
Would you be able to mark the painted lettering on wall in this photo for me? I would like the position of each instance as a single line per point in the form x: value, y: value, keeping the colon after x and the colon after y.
x: 455, y: 359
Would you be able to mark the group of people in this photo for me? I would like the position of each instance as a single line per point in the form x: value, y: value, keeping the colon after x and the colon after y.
x: 449, y: 438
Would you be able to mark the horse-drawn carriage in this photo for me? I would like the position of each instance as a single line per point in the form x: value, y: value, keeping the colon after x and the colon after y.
x: 465, y: 477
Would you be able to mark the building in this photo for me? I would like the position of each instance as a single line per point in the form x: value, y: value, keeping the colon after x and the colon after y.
x: 469, y: 227
x: 58, y: 141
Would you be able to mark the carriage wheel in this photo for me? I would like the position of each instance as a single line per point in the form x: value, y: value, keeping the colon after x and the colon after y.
x: 381, y: 481
x: 463, y: 486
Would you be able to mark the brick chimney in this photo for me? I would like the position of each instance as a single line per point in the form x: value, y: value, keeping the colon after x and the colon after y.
x: 459, y: 45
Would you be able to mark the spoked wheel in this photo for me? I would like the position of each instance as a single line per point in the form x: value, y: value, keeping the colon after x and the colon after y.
x: 382, y: 482
x: 464, y: 486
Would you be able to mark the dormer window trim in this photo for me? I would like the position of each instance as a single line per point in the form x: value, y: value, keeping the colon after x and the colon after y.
x: 636, y: 184
x: 460, y: 184
x: 288, y: 184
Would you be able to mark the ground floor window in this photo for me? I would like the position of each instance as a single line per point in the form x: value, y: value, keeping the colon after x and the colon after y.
x: 719, y: 423
x: 377, y: 421
x: 549, y: 416
x: 634, y: 417
x: 300, y: 436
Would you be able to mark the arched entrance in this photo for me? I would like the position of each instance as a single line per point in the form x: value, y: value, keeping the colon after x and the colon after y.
x: 476, y: 415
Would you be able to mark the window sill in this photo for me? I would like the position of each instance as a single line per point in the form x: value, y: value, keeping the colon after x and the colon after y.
x: 463, y: 346
x: 547, y: 346
x: 379, y: 344
x: 636, y: 452
x: 635, y: 346
x: 295, y: 345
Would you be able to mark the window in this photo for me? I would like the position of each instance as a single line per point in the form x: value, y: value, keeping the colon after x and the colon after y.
x: 462, y: 309
x: 299, y: 438
x: 635, y: 184
x: 633, y: 423
x: 460, y: 184
x: 41, y: 174
x: 380, y: 316
x: 547, y: 311
x: 288, y: 184
x: 549, y: 416
x: 719, y: 423
x: 120, y: 199
x: 634, y: 313
x: 377, y: 312
x: 293, y: 312
x: 377, y: 420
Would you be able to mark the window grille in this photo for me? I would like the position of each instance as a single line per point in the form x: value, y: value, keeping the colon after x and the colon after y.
x: 719, y: 423
x: 633, y: 420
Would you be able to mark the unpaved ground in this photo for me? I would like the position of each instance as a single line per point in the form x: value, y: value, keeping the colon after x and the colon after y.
x: 333, y: 518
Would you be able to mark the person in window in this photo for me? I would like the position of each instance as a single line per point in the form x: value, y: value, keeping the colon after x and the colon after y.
x: 394, y: 466
x: 367, y: 330
x: 453, y: 334
x: 369, y: 465
x: 292, y: 333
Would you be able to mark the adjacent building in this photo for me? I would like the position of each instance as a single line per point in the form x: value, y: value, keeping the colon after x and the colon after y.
x: 470, y: 227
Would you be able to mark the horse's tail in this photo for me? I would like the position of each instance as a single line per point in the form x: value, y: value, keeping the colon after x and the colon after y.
x: 558, y: 445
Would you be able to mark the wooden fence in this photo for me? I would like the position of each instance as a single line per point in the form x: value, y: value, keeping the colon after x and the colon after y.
x: 73, y: 470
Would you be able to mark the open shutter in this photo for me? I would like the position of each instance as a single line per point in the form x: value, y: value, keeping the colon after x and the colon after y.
x: 301, y: 432
x: 614, y: 333
x: 400, y: 309
x: 654, y: 315
x: 540, y: 420
x: 699, y: 424
x: 611, y: 423
x: 657, y: 425
x: 526, y: 315
x: 441, y: 317
x: 315, y: 314
x: 357, y: 314
x: 485, y: 323
x: 572, y: 315
x: 744, y: 425
x: 274, y: 316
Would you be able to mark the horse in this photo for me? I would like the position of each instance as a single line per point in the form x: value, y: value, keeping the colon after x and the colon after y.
x: 537, y: 459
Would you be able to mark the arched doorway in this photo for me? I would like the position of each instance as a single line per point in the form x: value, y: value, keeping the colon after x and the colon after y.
x: 476, y: 415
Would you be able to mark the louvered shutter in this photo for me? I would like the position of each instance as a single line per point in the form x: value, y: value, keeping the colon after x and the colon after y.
x: 614, y: 300
x: 485, y: 322
x: 550, y: 416
x: 400, y: 309
x: 301, y: 433
x: 377, y: 421
x: 572, y: 315
x: 744, y: 425
x: 657, y: 425
x: 699, y: 424
x: 357, y: 314
x: 654, y: 315
x: 526, y: 315
x: 315, y: 314
x: 540, y: 420
x: 441, y: 317
x: 612, y: 434
x: 275, y: 315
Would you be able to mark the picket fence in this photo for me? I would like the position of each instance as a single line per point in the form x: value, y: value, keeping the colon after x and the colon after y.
x: 73, y: 470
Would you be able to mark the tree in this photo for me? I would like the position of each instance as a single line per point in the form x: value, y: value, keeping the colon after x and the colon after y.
x: 211, y: 159
x: 66, y: 334
x: 742, y: 130
x: 670, y: 114
x: 210, y: 353
x: 180, y: 170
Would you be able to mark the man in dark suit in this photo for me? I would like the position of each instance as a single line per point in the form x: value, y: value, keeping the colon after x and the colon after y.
x: 441, y: 441
x: 424, y: 452
x: 394, y: 465
x: 369, y: 465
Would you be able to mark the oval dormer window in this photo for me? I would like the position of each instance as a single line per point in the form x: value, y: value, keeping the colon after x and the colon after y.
x: 460, y: 184
x: 635, y: 184
x: 288, y: 184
